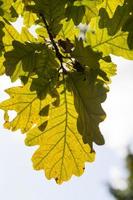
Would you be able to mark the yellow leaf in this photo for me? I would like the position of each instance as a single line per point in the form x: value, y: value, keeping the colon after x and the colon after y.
x: 101, y: 41
x: 27, y: 107
x: 110, y: 6
x: 2, y: 68
x: 62, y: 152
x: 29, y: 18
x: 68, y: 30
x: 26, y: 36
x: 10, y: 34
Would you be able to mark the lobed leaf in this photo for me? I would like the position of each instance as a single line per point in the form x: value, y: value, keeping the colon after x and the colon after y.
x: 27, y: 107
x: 64, y: 78
x: 101, y: 41
x: 58, y: 138
x: 88, y: 98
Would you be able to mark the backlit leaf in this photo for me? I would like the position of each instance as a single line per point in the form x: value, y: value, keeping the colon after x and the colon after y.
x: 101, y: 41
x: 27, y: 107
x: 62, y: 56
x: 60, y: 140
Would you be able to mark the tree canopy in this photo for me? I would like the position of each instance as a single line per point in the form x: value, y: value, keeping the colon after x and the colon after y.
x: 64, y: 77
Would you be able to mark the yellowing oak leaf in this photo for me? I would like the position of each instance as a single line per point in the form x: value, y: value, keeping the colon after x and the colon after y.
x: 68, y: 30
x: 29, y: 18
x: 26, y: 36
x: 82, y: 11
x: 101, y: 41
x: 2, y: 69
x: 99, y: 38
x: 110, y: 6
x: 27, y: 107
x: 109, y: 68
x: 62, y: 152
x: 18, y: 6
x: 7, y: 11
x: 10, y: 34
x: 65, y: 79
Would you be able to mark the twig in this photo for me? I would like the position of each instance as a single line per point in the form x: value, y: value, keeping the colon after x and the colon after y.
x: 58, y: 54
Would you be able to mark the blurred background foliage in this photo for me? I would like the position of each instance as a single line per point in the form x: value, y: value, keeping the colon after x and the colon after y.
x: 127, y: 193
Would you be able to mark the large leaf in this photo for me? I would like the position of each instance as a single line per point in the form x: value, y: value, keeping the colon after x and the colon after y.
x: 60, y: 140
x: 26, y: 59
x: 88, y: 98
x: 55, y: 131
x: 53, y: 11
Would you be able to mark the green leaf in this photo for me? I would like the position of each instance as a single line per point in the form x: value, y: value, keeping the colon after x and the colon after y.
x: 68, y: 30
x: 109, y: 68
x: 22, y: 60
x: 86, y: 55
x: 26, y: 59
x: 88, y: 98
x: 52, y: 10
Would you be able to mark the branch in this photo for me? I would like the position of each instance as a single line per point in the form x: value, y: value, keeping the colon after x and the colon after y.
x: 58, y: 54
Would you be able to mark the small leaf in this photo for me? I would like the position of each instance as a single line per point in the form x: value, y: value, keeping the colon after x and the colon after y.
x: 27, y: 106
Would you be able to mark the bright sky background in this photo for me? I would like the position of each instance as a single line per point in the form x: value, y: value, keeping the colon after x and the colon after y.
x: 18, y: 181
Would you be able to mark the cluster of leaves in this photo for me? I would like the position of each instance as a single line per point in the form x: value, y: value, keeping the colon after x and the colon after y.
x: 122, y: 19
x: 64, y: 77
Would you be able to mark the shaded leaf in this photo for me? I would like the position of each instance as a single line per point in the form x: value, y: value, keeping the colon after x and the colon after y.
x: 22, y: 60
x: 88, y: 98
x: 86, y: 55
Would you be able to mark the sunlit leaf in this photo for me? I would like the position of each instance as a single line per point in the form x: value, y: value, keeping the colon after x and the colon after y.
x: 64, y: 75
x: 27, y: 107
x: 101, y: 41
x: 60, y: 140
